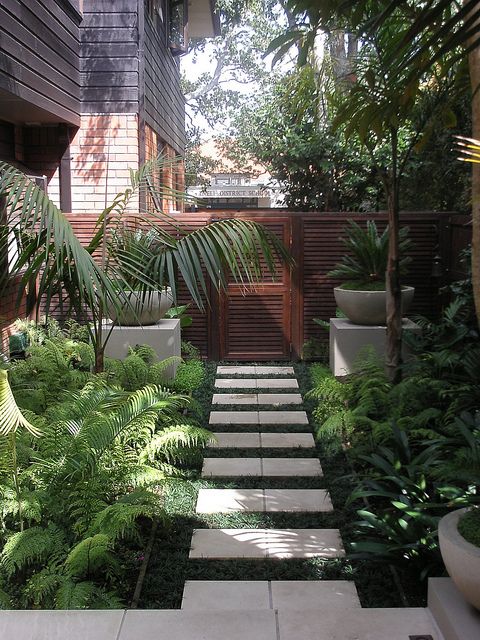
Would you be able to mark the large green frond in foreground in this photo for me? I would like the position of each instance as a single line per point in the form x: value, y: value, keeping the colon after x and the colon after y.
x: 38, y: 243
x: 11, y: 417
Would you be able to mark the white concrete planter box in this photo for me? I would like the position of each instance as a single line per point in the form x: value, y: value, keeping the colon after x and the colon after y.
x: 164, y: 337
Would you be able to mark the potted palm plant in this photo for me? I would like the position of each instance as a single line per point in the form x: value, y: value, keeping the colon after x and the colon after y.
x: 144, y: 299
x: 362, y: 296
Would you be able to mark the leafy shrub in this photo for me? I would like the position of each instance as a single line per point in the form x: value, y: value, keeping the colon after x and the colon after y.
x: 469, y: 526
x: 190, y: 375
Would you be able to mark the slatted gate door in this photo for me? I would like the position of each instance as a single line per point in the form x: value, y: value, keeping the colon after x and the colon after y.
x: 255, y: 322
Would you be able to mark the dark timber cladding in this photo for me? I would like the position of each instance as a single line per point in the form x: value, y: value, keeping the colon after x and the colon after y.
x: 39, y: 61
x: 109, y: 56
x: 164, y: 101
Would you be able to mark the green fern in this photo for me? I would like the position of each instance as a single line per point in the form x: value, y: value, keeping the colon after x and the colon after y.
x: 32, y: 546
x: 90, y: 556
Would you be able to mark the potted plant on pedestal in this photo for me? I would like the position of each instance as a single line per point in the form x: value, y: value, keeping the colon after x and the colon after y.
x: 459, y: 539
x: 362, y: 296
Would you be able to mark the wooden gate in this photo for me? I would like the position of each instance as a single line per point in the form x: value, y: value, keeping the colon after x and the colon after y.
x: 256, y: 322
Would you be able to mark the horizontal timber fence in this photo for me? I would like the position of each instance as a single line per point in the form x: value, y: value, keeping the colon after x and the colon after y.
x: 273, y: 320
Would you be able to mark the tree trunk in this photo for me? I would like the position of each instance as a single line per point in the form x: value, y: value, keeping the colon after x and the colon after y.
x: 474, y: 66
x: 393, y: 352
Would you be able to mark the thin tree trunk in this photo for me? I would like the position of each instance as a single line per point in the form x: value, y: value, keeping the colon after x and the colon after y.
x: 393, y: 352
x: 474, y: 66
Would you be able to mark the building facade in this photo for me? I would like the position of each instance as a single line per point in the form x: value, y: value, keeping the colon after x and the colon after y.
x: 90, y: 88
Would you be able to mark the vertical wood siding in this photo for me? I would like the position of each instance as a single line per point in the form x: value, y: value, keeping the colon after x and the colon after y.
x: 164, y: 101
x: 39, y: 43
x: 109, y: 56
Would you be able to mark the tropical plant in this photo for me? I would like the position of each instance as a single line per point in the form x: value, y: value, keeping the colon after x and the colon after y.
x: 402, y: 524
x: 364, y: 266
x: 383, y: 100
x: 68, y: 272
x: 86, y: 489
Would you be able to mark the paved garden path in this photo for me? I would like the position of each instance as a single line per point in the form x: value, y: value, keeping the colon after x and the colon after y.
x: 256, y: 609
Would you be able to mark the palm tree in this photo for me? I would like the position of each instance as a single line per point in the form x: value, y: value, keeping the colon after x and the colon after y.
x: 38, y: 245
x: 412, y: 42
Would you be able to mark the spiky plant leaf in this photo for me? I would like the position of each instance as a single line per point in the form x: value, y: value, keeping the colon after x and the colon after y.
x: 11, y: 417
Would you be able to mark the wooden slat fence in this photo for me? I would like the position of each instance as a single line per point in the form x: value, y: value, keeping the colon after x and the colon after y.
x: 274, y: 321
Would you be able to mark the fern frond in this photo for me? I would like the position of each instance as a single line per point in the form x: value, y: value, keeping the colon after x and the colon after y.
x: 172, y: 444
x: 90, y: 556
x: 34, y: 545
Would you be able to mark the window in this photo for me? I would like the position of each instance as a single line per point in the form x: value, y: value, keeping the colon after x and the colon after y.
x: 155, y: 10
x: 178, y: 18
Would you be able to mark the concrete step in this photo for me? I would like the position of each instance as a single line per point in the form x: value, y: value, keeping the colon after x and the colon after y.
x: 263, y: 500
x: 261, y: 467
x: 214, y: 595
x: 456, y: 619
x: 276, y: 544
x: 321, y: 623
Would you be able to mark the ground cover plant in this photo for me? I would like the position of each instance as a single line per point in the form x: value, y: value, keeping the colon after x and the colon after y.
x: 414, y: 447
x: 85, y: 462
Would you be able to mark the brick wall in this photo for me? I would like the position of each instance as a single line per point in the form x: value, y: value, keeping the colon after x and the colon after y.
x: 9, y: 313
x: 102, y: 152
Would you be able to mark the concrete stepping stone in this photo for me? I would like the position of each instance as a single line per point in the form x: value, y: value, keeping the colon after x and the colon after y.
x: 222, y: 595
x: 230, y: 500
x: 277, y: 399
x: 256, y: 383
x: 226, y: 595
x: 174, y: 624
x: 235, y: 370
x: 231, y: 467
x: 266, y: 467
x: 236, y: 441
x: 277, y: 383
x: 288, y: 467
x: 261, y: 370
x: 310, y: 594
x: 298, y: 500
x: 323, y: 623
x: 287, y: 440
x: 266, y: 543
x: 233, y: 417
x: 282, y: 417
x: 236, y: 383
x: 228, y: 543
x: 263, y: 500
x: 304, y: 543
x: 235, y: 398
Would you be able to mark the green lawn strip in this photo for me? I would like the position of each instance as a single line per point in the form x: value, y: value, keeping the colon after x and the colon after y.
x: 296, y: 452
x: 257, y: 407
x: 256, y: 428
x: 254, y: 482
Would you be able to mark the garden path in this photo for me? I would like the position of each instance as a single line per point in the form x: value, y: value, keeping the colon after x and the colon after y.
x: 249, y: 609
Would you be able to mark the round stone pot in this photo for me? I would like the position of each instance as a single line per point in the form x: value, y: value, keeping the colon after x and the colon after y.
x: 138, y: 308
x: 461, y: 558
x: 369, y: 307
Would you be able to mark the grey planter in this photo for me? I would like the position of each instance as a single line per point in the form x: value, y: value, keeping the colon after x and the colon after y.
x: 369, y: 307
x: 461, y: 558
x: 141, y: 309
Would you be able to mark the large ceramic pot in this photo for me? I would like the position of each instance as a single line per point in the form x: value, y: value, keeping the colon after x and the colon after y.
x: 369, y: 307
x: 461, y: 558
x: 138, y: 308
